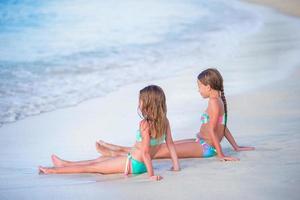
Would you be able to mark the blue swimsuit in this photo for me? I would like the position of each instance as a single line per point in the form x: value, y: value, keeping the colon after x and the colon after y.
x: 208, y: 150
x: 138, y: 167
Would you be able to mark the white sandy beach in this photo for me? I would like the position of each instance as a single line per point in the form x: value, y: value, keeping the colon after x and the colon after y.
x: 266, y: 116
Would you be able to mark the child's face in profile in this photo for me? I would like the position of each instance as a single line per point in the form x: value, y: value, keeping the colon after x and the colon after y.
x: 203, y: 89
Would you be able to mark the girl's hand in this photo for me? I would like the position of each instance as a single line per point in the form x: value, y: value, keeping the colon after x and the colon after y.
x: 244, y: 148
x: 156, y: 178
x: 227, y: 158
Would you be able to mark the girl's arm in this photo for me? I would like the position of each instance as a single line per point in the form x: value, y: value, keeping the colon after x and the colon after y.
x: 233, y: 143
x: 214, y: 112
x: 172, y: 150
x: 144, y: 127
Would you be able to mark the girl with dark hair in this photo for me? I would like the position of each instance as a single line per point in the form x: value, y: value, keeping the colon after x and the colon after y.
x: 213, y: 126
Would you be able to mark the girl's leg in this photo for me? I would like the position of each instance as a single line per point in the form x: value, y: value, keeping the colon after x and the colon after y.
x: 110, y: 166
x: 114, y: 147
x: 184, y: 141
x: 105, y: 151
x: 186, y: 148
x: 108, y: 149
x: 58, y: 162
x: 183, y: 150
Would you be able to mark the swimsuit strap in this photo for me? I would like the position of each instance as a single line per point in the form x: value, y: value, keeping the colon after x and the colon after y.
x: 200, y: 141
x: 153, y: 141
x: 127, y: 165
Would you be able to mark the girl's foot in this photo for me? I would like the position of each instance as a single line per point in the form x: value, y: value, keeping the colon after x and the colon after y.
x: 109, y: 146
x: 57, y: 162
x: 103, y: 150
x: 46, y: 170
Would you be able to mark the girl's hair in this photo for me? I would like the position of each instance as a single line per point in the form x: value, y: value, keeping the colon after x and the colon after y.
x: 154, y: 109
x: 213, y: 78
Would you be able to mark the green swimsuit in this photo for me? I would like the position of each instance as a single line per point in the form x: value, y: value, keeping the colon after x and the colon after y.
x: 138, y: 167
